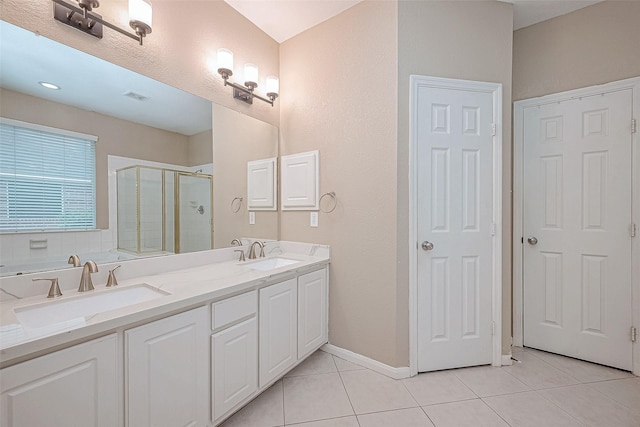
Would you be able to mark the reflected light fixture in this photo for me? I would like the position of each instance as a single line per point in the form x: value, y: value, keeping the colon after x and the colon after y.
x: 246, y: 93
x: 82, y: 17
x: 49, y: 85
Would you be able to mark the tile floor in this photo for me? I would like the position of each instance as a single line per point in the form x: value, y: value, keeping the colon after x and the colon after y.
x: 540, y: 389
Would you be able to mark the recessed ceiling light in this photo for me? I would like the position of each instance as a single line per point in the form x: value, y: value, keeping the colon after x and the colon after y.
x: 49, y: 85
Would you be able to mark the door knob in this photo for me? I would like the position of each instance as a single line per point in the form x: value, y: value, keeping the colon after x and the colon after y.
x: 427, y: 246
x: 532, y: 240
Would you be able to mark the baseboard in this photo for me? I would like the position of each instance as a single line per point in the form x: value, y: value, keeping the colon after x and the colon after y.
x: 506, y: 360
x: 374, y: 365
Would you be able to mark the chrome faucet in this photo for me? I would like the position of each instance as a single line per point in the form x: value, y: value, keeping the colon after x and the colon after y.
x: 252, y: 249
x: 85, y: 279
x: 75, y: 260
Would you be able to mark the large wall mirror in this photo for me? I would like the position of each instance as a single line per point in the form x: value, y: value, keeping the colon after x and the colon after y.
x: 170, y: 167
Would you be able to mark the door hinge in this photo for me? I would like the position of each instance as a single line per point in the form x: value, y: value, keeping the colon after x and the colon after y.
x: 493, y: 229
x: 633, y: 126
x: 493, y: 328
x: 493, y: 129
x: 633, y: 230
x: 634, y: 334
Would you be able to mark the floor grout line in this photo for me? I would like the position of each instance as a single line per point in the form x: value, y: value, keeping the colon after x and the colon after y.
x: 558, y: 406
x: 284, y: 413
x: 346, y: 392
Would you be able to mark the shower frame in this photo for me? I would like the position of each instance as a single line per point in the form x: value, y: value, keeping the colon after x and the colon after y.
x: 176, y: 207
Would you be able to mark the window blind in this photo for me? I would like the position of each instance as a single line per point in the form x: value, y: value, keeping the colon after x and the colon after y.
x: 47, y: 179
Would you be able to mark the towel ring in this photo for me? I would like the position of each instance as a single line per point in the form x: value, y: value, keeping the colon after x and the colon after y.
x: 335, y: 202
x: 233, y: 204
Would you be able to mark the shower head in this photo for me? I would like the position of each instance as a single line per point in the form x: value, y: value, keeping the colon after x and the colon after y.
x: 198, y: 171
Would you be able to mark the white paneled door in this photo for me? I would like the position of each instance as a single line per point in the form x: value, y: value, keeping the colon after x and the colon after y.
x: 455, y: 226
x: 577, y: 220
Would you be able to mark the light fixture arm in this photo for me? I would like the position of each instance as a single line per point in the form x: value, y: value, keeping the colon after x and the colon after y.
x: 92, y: 18
x: 249, y: 93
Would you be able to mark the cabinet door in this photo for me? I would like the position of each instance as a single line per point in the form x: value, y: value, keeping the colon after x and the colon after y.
x: 278, y: 329
x: 78, y: 386
x: 167, y: 371
x: 235, y: 366
x: 312, y: 311
x: 299, y: 181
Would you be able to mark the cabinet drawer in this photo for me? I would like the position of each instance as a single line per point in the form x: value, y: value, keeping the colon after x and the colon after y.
x: 232, y: 309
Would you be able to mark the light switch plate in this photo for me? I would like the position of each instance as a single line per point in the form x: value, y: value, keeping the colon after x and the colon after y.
x: 313, y: 222
x: 252, y: 218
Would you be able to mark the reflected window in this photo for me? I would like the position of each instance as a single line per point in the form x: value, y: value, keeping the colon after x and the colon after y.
x: 47, y: 178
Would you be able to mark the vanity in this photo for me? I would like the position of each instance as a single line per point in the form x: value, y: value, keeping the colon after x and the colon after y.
x: 192, y: 339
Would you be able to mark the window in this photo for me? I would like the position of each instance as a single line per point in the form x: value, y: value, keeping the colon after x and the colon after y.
x: 47, y: 178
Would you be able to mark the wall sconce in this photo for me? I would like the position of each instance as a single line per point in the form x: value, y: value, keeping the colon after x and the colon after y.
x: 246, y: 93
x: 78, y: 16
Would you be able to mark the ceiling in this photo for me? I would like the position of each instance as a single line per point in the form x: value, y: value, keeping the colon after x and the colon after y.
x: 92, y: 84
x: 283, y: 19
x: 28, y: 59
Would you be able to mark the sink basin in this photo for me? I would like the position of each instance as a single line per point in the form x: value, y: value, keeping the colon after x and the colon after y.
x: 271, y: 263
x: 51, y: 312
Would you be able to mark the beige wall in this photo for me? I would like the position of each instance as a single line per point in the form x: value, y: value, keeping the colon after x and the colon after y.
x: 115, y: 137
x: 594, y: 45
x: 463, y: 40
x: 200, y: 149
x: 238, y: 139
x: 181, y: 50
x: 338, y: 84
x: 356, y: 70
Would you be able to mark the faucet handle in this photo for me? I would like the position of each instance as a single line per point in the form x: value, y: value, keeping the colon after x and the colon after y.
x: 75, y: 260
x: 112, y: 281
x: 242, y: 258
x: 54, y: 289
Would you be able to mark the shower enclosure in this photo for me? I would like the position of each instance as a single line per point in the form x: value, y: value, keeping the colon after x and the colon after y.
x: 163, y: 210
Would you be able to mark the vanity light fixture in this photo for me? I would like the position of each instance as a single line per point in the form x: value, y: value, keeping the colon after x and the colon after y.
x: 80, y: 16
x: 246, y: 93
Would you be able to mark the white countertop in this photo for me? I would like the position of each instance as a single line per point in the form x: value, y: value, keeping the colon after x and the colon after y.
x: 188, y: 287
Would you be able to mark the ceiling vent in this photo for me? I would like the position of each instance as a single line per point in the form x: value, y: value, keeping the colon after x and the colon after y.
x: 136, y: 96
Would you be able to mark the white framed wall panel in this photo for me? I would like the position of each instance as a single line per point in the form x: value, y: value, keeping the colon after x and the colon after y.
x: 262, y: 182
x: 299, y: 180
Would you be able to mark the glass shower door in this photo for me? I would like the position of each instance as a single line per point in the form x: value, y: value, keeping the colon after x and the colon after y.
x: 194, y: 213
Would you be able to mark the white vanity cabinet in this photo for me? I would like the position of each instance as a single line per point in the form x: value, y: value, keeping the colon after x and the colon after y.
x: 278, y: 329
x: 312, y: 311
x: 193, y: 368
x: 75, y: 387
x: 167, y: 371
x: 234, y: 352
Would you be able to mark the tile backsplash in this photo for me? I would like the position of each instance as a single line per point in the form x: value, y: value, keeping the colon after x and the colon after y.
x: 20, y: 247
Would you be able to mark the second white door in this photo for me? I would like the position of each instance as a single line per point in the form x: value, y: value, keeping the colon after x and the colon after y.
x: 577, y: 219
